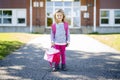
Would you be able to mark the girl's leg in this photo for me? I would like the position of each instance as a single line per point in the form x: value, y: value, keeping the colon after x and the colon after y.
x: 63, y: 54
x: 57, y: 61
x: 63, y: 57
x: 57, y: 47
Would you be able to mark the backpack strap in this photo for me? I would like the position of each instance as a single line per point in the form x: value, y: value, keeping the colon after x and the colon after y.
x: 54, y: 29
x: 66, y: 29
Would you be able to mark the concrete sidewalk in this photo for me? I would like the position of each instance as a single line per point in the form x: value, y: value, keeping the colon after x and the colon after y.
x: 87, y: 59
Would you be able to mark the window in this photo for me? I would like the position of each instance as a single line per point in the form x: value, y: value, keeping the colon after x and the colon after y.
x: 7, y: 16
x: 59, y: 3
x: 49, y: 21
x: 70, y: 7
x: 67, y: 3
x: 62, y: 0
x: 0, y: 21
x: 117, y: 17
x: 109, y: 17
x: 76, y: 17
x: 0, y: 16
x: 21, y: 17
x: 7, y: 20
x: 7, y: 13
x: 0, y: 13
x: 12, y: 17
x: 104, y: 17
x: 49, y: 13
x: 68, y: 12
x: 21, y: 20
x: 49, y: 3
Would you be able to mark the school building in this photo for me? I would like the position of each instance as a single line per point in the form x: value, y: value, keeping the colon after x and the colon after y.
x: 83, y: 16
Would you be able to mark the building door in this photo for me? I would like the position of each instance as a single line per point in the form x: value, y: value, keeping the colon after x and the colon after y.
x: 70, y: 7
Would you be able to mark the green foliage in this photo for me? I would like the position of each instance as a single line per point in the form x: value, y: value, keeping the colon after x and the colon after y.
x: 49, y: 21
x: 6, y: 47
x: 94, y: 33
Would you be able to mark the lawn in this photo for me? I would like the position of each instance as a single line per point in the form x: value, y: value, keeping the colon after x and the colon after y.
x: 112, y: 40
x: 9, y: 42
x: 22, y: 37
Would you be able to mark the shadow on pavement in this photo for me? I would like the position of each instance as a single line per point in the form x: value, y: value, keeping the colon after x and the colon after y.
x: 28, y: 63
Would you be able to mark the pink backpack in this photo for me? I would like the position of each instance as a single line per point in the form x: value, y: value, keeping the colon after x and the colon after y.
x: 65, y: 27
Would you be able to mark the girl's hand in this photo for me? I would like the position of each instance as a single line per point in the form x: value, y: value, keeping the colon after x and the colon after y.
x: 52, y: 43
x: 67, y: 44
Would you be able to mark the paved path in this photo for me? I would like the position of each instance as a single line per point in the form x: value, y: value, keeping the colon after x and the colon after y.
x: 87, y: 59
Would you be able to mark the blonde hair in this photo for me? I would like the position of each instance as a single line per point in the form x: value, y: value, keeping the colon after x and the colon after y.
x: 61, y: 11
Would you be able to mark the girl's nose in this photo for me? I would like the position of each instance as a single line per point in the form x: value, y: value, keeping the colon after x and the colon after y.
x: 58, y: 16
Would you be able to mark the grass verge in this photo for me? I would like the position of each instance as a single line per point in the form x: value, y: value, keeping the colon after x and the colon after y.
x: 112, y: 40
x: 9, y: 42
x: 7, y: 47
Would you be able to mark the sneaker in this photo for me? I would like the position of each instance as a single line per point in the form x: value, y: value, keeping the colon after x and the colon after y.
x: 63, y: 67
x: 54, y: 69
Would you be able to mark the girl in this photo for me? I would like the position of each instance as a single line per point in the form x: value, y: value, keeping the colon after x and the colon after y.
x: 60, y: 38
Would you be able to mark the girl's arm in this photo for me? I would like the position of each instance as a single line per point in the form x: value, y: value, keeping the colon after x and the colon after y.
x: 52, y: 37
x: 68, y: 38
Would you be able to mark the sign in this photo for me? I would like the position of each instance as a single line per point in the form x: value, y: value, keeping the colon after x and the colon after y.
x: 86, y: 15
x: 83, y: 8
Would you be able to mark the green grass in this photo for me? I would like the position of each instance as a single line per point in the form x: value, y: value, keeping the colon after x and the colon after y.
x: 6, y: 47
x: 9, y: 42
x: 112, y: 40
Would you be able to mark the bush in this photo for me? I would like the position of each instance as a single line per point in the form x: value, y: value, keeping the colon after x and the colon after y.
x: 94, y: 33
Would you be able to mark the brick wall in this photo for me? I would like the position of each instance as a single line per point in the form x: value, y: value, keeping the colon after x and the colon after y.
x: 38, y: 13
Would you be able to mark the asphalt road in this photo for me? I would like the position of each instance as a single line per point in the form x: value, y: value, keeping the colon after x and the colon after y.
x: 87, y: 59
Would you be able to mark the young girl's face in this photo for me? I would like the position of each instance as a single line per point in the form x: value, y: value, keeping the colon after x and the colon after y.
x: 59, y: 16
